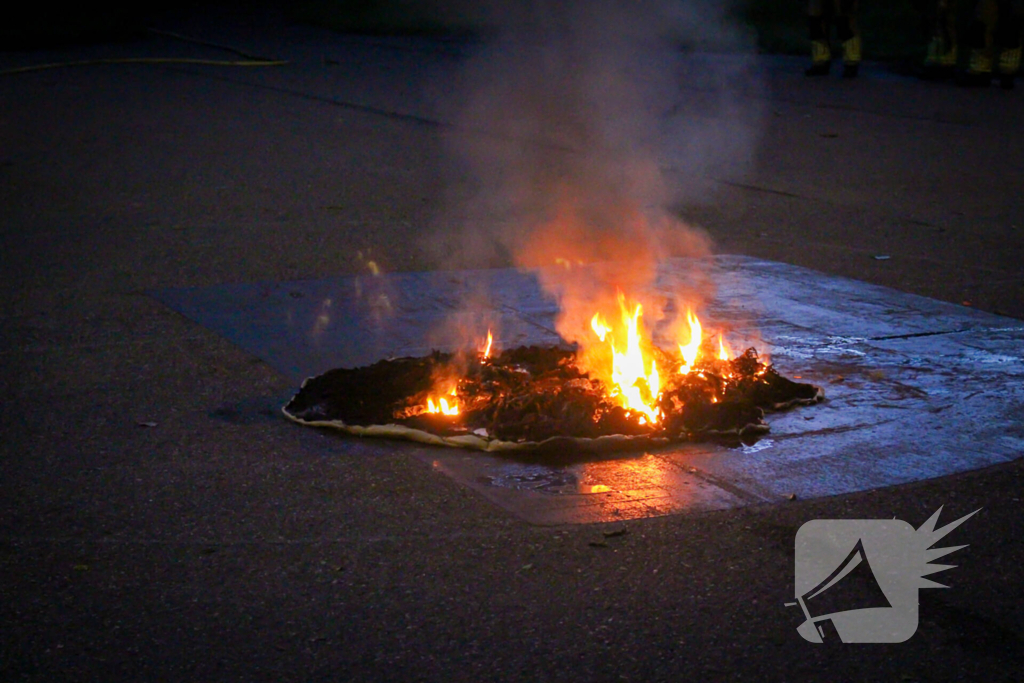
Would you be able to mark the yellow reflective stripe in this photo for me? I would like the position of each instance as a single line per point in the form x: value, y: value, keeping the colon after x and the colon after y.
x: 851, y: 50
x: 1009, y: 61
x: 820, y: 51
x: 939, y: 55
x: 949, y: 59
x: 981, y: 62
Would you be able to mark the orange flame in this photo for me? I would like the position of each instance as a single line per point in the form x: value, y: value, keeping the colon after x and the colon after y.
x: 634, y: 380
x: 692, y: 348
x: 442, y: 406
x: 637, y: 388
x: 487, y: 348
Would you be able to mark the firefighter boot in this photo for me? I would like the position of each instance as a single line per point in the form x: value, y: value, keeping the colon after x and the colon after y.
x: 979, y: 70
x: 851, y: 46
x: 821, y: 56
x: 851, y: 57
x: 1009, y: 65
x: 821, y: 59
x: 979, y: 67
x: 941, y: 60
x: 1008, y: 34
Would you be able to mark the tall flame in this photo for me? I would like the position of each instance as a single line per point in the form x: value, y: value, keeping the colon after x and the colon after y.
x: 692, y: 348
x: 487, y: 349
x: 637, y: 388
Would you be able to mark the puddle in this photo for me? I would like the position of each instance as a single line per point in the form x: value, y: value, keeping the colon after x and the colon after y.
x: 543, y: 479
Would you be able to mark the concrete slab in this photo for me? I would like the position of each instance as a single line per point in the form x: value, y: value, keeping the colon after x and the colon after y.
x: 916, y: 388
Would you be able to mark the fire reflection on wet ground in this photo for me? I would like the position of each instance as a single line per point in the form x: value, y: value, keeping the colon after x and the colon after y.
x: 916, y: 388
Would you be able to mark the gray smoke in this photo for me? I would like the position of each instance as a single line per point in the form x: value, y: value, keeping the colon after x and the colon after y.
x: 580, y: 123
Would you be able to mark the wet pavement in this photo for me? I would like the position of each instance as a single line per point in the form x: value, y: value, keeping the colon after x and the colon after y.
x: 160, y: 520
x: 915, y: 388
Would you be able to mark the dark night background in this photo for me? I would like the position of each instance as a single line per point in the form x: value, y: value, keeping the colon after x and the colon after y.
x: 224, y: 543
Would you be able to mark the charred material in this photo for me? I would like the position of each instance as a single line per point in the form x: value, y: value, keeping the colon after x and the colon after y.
x: 533, y: 394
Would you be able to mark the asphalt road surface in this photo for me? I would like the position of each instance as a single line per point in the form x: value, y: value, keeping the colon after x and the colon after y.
x: 160, y: 521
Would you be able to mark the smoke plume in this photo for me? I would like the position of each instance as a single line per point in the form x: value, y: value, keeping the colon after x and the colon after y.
x: 580, y: 124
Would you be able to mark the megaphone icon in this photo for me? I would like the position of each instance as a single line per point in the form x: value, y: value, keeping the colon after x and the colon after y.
x: 855, y: 602
x: 851, y: 586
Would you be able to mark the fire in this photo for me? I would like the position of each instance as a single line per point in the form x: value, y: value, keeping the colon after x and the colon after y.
x: 692, y: 348
x: 486, y: 353
x: 635, y: 378
x: 448, y: 404
x: 638, y: 388
x: 443, y: 406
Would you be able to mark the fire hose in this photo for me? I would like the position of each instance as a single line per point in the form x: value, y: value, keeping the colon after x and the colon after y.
x: 248, y: 59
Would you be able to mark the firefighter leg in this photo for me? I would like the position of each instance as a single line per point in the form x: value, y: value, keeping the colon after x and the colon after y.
x: 982, y: 42
x: 846, y: 28
x: 817, y: 28
x: 942, y: 50
x: 1008, y: 35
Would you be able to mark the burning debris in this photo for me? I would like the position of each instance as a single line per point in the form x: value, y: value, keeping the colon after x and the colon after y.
x: 622, y: 391
x: 575, y: 110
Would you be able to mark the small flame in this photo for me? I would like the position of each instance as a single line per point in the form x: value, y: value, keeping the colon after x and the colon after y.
x: 442, y: 406
x: 487, y: 349
x: 600, y: 327
x: 723, y: 350
x: 692, y: 348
